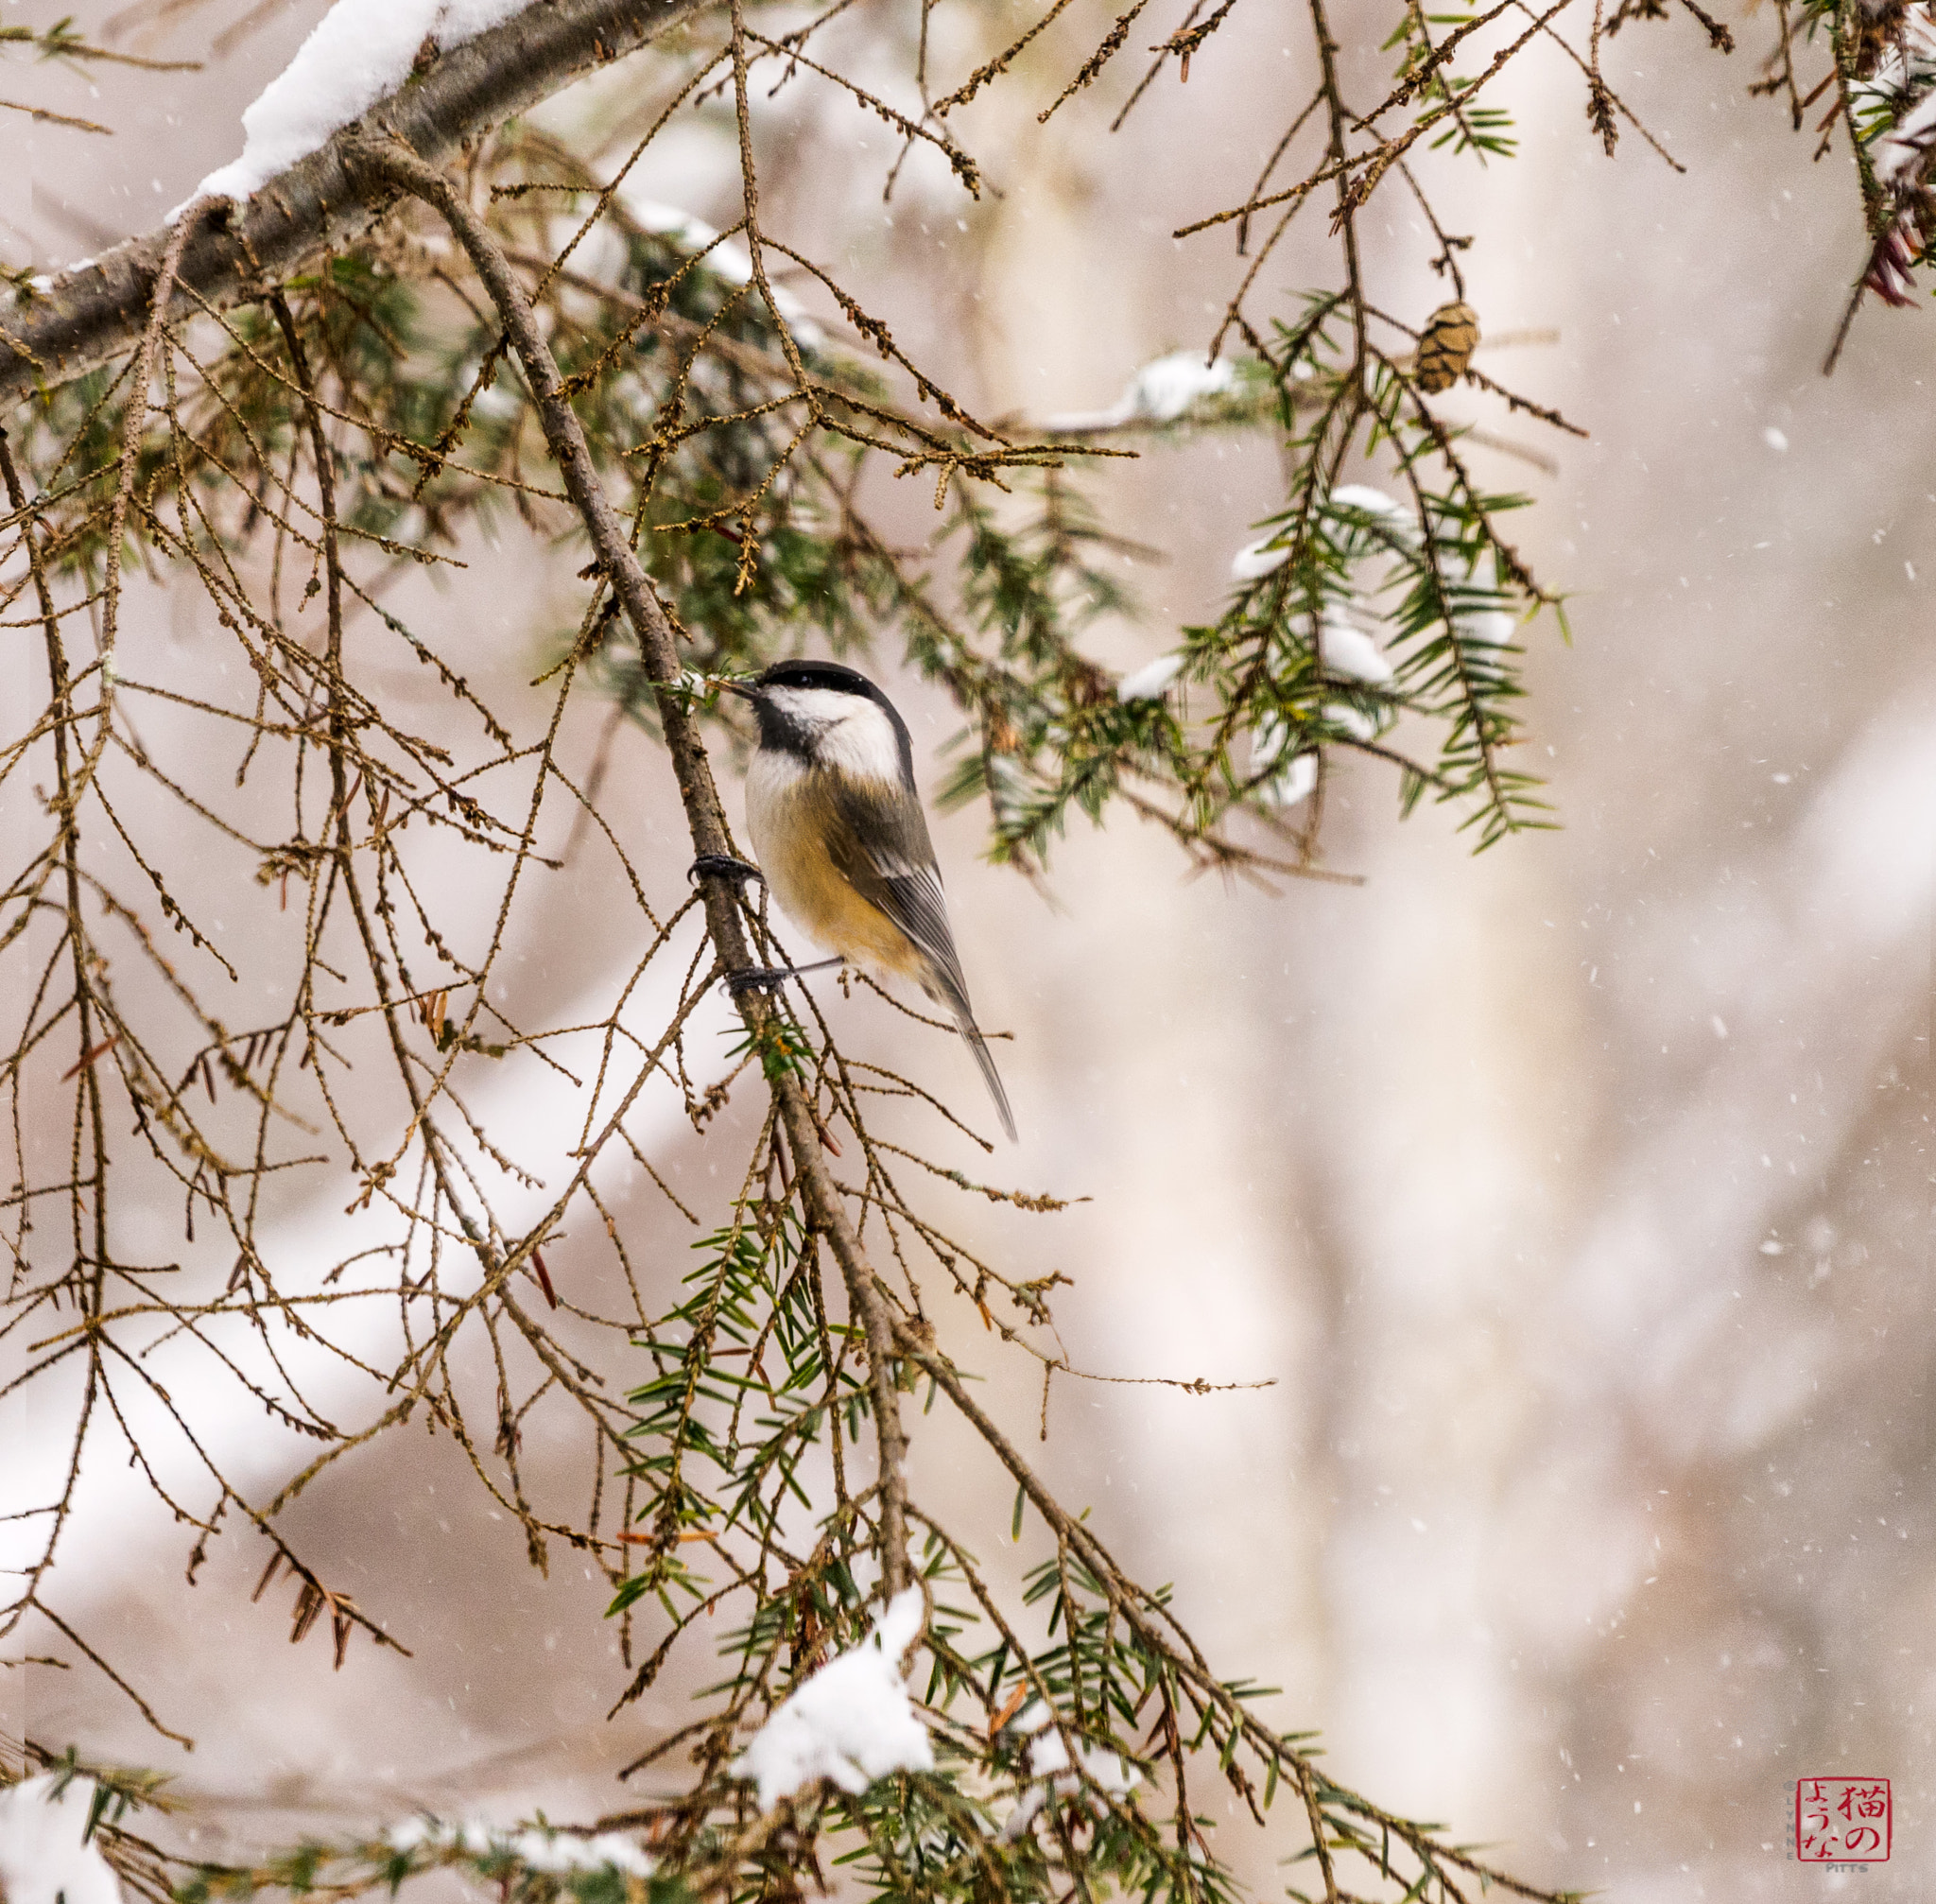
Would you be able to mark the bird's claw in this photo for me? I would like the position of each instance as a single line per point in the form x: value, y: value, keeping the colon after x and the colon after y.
x: 761, y: 979
x: 724, y: 866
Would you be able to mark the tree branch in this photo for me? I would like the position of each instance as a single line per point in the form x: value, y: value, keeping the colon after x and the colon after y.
x: 379, y: 162
x: 95, y: 312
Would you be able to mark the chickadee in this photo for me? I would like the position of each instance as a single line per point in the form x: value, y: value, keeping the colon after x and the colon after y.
x: 842, y: 842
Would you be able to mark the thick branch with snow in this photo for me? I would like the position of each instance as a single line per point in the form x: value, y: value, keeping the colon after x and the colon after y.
x: 57, y: 329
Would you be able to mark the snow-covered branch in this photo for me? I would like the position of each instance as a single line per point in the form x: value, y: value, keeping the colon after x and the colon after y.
x: 55, y: 329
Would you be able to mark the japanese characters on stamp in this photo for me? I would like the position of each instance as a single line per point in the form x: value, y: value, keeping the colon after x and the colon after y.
x: 1843, y: 1821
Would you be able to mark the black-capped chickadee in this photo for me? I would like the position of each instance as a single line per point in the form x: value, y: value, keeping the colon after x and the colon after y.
x: 842, y: 842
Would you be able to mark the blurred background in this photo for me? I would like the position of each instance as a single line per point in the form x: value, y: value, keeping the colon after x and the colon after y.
x: 1576, y: 1199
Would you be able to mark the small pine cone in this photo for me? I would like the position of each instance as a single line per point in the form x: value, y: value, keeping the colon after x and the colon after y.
x: 1451, y: 335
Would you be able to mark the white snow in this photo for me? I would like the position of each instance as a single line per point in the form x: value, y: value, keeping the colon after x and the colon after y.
x: 1165, y: 390
x: 538, y: 1848
x: 1050, y: 1756
x: 1907, y: 143
x: 1347, y: 650
x: 1391, y: 519
x: 1774, y: 439
x: 729, y: 261
x: 1257, y: 559
x: 1394, y: 516
x: 688, y: 233
x: 1902, y: 74
x: 1296, y: 776
x: 42, y: 1856
x: 1159, y: 393
x: 850, y: 1723
x: 1354, y: 720
x: 1295, y: 783
x: 358, y: 52
x: 361, y: 51
x: 1151, y: 682
x: 1048, y: 1760
x: 1486, y: 627
x: 1019, y: 1820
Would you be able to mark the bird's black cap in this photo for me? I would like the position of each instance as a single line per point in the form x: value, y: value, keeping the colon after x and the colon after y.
x: 832, y: 677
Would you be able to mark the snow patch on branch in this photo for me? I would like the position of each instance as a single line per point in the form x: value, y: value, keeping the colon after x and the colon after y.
x: 1907, y: 143
x: 1899, y: 88
x: 538, y: 1848
x: 360, y: 52
x: 42, y: 1857
x: 1370, y: 511
x: 1486, y: 627
x: 1346, y: 649
x: 1152, y: 681
x: 1393, y: 518
x: 1049, y: 1761
x: 729, y: 262
x: 1297, y: 778
x: 850, y: 1723
x: 1256, y: 560
x: 1160, y: 392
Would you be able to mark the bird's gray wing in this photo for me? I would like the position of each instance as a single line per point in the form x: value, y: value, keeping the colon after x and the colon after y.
x: 884, y: 851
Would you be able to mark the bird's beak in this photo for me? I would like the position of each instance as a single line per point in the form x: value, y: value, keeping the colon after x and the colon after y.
x: 746, y: 691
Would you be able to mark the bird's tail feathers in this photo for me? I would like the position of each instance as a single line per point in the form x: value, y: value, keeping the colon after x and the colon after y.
x: 942, y: 982
x: 970, y: 1037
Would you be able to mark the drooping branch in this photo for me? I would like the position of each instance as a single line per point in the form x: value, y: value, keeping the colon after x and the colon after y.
x: 383, y: 161
x: 89, y: 315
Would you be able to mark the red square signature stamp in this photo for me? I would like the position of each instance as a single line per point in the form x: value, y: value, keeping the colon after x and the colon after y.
x: 1842, y: 1821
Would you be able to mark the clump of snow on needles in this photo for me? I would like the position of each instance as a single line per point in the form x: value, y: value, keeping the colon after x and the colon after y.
x: 1159, y: 393
x: 1902, y: 69
x: 1488, y: 627
x: 359, y: 51
x: 727, y: 261
x: 1345, y: 649
x: 1298, y: 777
x: 1392, y: 517
x: 42, y: 1856
x: 851, y: 1722
x: 1152, y: 681
x: 1048, y: 1760
x: 1258, y: 558
x: 1390, y: 521
x: 537, y: 1848
x: 1483, y: 621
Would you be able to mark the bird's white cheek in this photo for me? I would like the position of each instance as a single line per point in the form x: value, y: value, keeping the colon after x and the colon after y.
x: 852, y: 736
x: 864, y: 747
